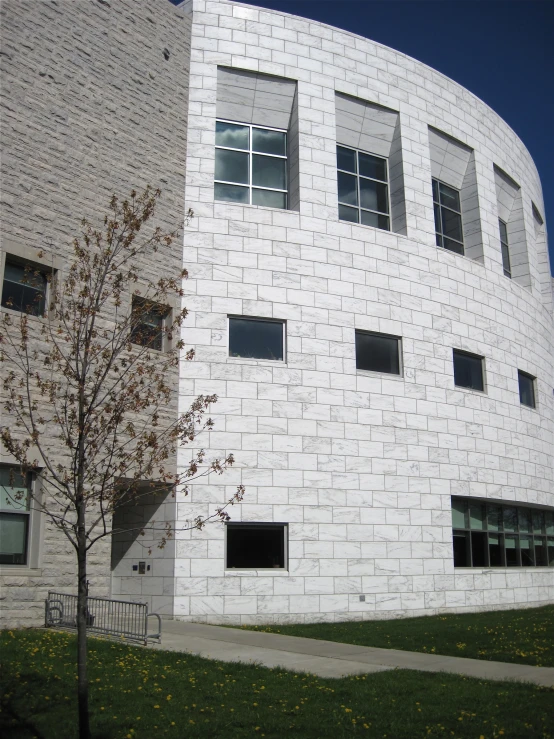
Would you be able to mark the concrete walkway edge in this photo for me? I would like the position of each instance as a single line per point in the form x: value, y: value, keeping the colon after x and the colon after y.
x: 330, y: 659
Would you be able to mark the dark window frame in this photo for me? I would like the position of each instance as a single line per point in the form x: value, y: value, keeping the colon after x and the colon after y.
x: 251, y: 152
x: 258, y: 319
x: 524, y: 529
x: 34, y: 269
x: 158, y: 341
x: 441, y: 238
x: 464, y: 353
x: 533, y: 380
x: 359, y: 177
x: 258, y: 526
x: 8, y: 511
x: 377, y: 334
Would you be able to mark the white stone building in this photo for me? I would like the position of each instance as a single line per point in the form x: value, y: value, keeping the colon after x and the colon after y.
x: 371, y: 300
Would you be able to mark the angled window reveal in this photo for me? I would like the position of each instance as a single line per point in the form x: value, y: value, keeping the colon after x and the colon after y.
x: 250, y: 164
x: 256, y: 338
x: 526, y: 389
x: 448, y: 217
x: 256, y: 546
x: 468, y: 370
x: 377, y: 352
x: 25, y: 286
x: 455, y: 196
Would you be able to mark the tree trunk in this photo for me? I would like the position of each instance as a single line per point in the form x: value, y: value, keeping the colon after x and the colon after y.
x: 82, y: 680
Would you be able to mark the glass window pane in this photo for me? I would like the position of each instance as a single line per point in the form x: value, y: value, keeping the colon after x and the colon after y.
x: 269, y: 142
x: 526, y: 389
x: 269, y: 198
x: 13, y: 538
x: 24, y: 289
x: 460, y: 544
x: 438, y: 239
x: 269, y: 172
x: 375, y: 219
x: 231, y: 193
x: 510, y: 518
x: 512, y: 555
x: 373, y: 195
x: 346, y: 159
x: 451, y: 224
x: 477, y: 517
x: 255, y: 339
x: 468, y: 371
x: 459, y: 508
x: 496, y: 550
x: 527, y: 551
x: 540, y: 551
x: 231, y: 135
x: 550, y: 552
x: 538, y: 522
x: 449, y: 197
x: 506, y: 266
x: 348, y: 189
x: 348, y: 214
x: 373, y: 167
x: 231, y: 166
x: 377, y: 353
x: 479, y: 549
x: 454, y: 246
x: 503, y: 231
x: 14, y: 491
x: 255, y: 547
x: 435, y: 191
x: 494, y: 517
x: 549, y: 521
x: 524, y: 519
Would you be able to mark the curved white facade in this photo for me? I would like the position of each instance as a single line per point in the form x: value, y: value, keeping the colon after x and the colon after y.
x: 360, y: 465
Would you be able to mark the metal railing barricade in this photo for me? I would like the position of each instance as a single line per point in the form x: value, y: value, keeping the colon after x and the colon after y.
x: 120, y: 618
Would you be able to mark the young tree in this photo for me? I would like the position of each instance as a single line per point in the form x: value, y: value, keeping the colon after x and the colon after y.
x: 90, y: 395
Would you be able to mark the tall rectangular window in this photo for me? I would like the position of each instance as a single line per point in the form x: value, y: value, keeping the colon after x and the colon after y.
x: 250, y: 164
x: 448, y: 217
x: 496, y: 535
x: 468, y: 370
x: 363, y: 188
x: 256, y: 338
x: 526, y: 389
x: 15, y: 513
x: 377, y: 352
x: 24, y: 287
x: 505, y: 250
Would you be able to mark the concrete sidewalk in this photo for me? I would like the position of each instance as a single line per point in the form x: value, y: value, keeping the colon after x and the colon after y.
x: 330, y: 659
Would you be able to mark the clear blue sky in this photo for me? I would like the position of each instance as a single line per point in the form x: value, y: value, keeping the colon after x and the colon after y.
x: 501, y: 50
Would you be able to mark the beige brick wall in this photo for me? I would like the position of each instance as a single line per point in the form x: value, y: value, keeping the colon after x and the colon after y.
x: 94, y: 102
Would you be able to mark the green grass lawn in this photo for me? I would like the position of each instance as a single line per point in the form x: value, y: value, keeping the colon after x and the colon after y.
x: 137, y: 692
x: 523, y: 636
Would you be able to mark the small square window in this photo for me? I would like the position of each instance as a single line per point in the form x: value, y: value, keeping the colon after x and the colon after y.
x: 256, y: 338
x: 148, y: 323
x: 377, y: 352
x: 256, y: 546
x: 468, y: 370
x: 526, y: 389
x: 24, y: 287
